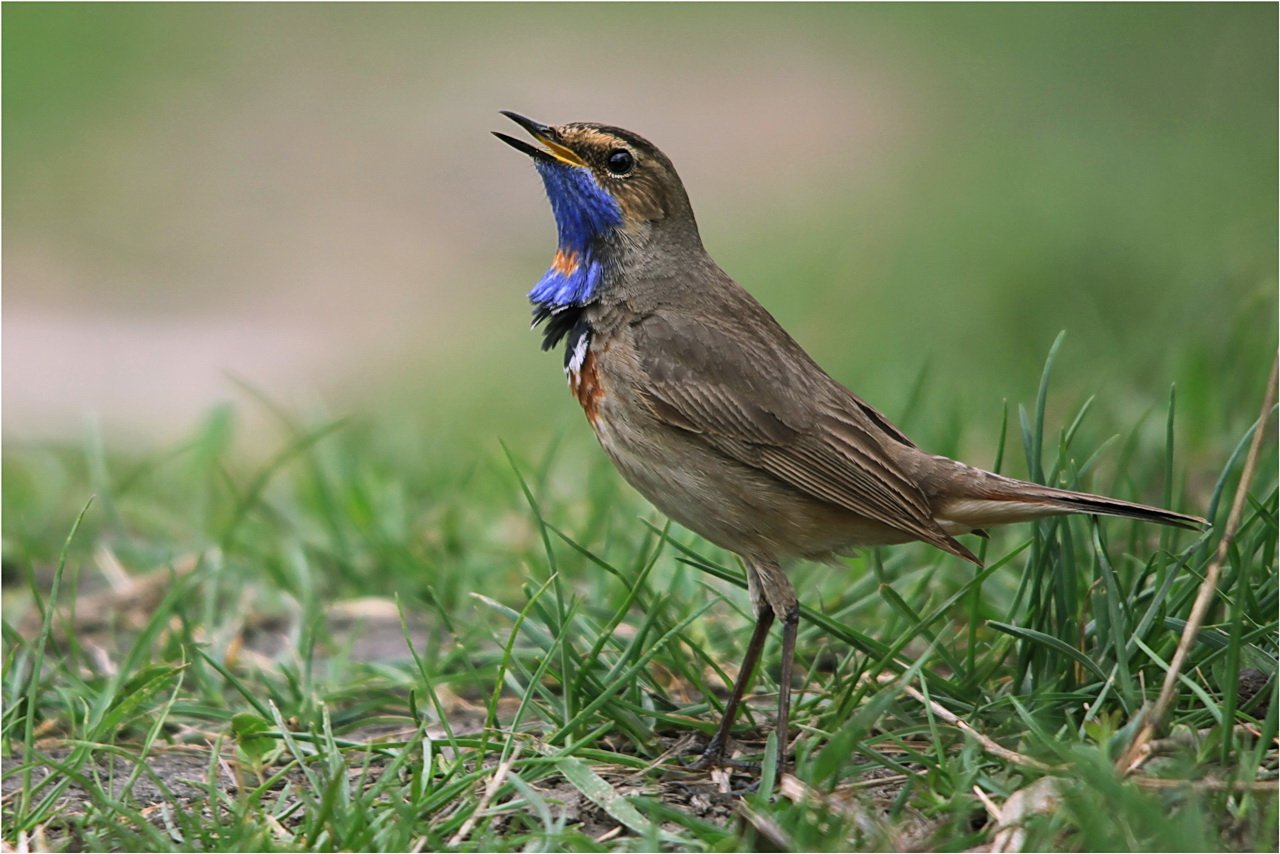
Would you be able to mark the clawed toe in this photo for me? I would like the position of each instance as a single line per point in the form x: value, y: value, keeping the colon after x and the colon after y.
x: 713, y: 756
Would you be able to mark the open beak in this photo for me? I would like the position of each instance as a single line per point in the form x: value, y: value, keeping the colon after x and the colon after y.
x: 545, y: 134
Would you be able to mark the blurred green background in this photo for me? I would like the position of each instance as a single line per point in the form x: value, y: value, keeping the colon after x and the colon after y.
x: 306, y: 198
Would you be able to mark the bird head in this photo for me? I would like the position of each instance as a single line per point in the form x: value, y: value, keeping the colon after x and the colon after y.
x: 612, y: 192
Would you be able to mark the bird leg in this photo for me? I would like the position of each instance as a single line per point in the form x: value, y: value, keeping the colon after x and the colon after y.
x: 790, y: 623
x: 770, y: 587
x: 714, y: 753
x: 772, y: 595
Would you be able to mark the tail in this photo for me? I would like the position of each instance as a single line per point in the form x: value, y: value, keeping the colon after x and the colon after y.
x: 967, y: 499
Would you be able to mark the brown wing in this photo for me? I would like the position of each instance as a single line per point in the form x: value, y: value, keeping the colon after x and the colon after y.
x: 762, y: 401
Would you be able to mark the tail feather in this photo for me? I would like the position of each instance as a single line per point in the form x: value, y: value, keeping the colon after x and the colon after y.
x: 1085, y: 502
x: 979, y: 499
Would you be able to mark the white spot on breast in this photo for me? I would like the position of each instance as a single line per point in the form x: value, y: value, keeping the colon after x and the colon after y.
x: 573, y: 367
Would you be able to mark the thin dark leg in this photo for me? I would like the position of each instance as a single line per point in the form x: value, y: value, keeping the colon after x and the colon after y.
x: 714, y: 754
x: 790, y: 623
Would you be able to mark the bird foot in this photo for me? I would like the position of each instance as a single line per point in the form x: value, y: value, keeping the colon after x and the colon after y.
x: 713, y: 756
x: 728, y: 777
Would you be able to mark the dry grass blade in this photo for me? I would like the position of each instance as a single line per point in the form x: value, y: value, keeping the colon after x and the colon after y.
x: 1040, y: 798
x: 797, y: 791
x: 495, y: 782
x: 1207, y: 785
x: 989, y: 745
x: 768, y: 829
x: 1132, y: 758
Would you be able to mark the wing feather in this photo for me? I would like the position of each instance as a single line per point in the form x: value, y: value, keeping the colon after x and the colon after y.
x: 766, y: 404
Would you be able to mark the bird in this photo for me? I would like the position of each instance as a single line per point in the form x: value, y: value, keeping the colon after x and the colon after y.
x: 718, y: 417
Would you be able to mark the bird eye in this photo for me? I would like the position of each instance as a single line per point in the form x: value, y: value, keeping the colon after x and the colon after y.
x: 620, y: 161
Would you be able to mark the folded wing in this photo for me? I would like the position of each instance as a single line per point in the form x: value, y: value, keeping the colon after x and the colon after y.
x: 761, y: 401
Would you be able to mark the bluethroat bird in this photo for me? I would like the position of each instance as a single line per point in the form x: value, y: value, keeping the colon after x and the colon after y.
x: 717, y: 416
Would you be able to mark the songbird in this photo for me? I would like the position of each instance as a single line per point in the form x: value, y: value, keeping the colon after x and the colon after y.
x: 717, y: 416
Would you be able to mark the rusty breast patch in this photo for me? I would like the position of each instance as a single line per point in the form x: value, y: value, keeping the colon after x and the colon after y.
x: 582, y: 372
x: 565, y: 261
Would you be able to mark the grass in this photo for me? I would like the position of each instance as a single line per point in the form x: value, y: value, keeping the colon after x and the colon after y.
x: 364, y: 644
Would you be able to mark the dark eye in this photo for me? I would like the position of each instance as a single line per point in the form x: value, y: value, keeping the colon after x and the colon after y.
x: 620, y: 161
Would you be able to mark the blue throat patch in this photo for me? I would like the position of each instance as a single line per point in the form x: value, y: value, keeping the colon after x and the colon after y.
x: 585, y: 213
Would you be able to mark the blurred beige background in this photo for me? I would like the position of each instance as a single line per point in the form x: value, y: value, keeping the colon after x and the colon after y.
x: 307, y: 198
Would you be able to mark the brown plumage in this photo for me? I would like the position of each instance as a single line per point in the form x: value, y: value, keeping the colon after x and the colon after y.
x: 717, y: 416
